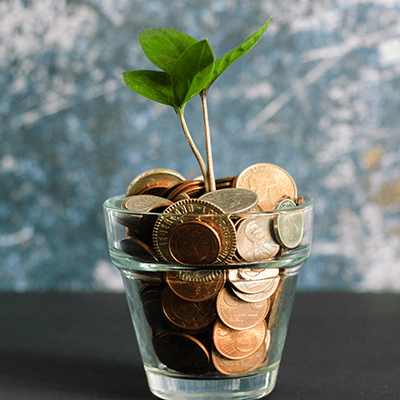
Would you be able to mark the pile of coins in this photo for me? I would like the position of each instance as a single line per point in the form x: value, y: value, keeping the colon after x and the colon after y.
x: 214, y: 228
x: 212, y: 320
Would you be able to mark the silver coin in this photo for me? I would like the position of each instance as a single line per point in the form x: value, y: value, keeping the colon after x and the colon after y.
x: 248, y: 286
x: 143, y: 202
x: 232, y: 200
x: 152, y: 178
x: 261, y: 296
x: 254, y: 240
x: 258, y: 273
x: 289, y: 226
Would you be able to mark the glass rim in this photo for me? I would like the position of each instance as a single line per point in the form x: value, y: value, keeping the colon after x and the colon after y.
x: 113, y: 204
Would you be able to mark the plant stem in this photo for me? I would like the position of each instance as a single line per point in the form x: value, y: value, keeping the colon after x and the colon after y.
x: 193, y: 147
x: 210, y: 167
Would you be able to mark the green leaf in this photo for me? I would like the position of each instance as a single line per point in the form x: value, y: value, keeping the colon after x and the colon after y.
x: 226, y: 60
x: 155, y: 85
x: 163, y: 47
x: 191, y: 71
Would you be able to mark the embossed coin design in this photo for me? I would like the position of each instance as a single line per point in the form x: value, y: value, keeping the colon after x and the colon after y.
x: 269, y: 182
x: 238, y: 314
x: 195, y: 291
x: 289, y: 227
x: 191, y: 316
x: 235, y: 367
x: 254, y: 239
x: 232, y: 200
x: 194, y: 242
x: 236, y: 344
x: 158, y: 177
x: 200, y: 211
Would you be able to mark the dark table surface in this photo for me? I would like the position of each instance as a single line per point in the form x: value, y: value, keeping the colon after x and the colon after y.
x: 66, y: 346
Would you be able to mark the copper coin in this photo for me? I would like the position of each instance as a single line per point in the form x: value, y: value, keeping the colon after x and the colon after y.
x: 238, y: 314
x: 254, y: 239
x: 235, y: 367
x: 194, y: 242
x: 300, y: 201
x: 236, y: 345
x: 188, y: 315
x: 138, y: 250
x: 146, y: 224
x: 269, y: 181
x: 181, y: 352
x: 194, y: 210
x: 155, y: 178
x: 195, y: 291
x: 222, y: 183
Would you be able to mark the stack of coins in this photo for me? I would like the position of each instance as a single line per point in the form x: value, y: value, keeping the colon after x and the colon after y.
x: 175, y: 221
x: 212, y: 319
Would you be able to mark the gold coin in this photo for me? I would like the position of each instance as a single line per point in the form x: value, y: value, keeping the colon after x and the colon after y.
x: 269, y: 182
x: 195, y: 210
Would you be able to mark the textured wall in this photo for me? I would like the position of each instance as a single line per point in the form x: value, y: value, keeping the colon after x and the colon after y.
x: 319, y: 95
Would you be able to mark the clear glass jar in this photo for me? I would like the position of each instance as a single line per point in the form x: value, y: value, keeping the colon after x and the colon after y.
x: 216, y: 330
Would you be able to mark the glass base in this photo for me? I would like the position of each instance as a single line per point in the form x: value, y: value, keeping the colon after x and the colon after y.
x: 240, y: 388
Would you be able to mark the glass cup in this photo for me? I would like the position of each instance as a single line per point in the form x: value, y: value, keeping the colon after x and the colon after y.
x: 212, y: 330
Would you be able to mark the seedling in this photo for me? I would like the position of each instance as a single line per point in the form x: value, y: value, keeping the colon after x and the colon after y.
x: 188, y: 68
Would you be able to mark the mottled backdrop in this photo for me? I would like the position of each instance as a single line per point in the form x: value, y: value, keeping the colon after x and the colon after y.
x: 319, y: 95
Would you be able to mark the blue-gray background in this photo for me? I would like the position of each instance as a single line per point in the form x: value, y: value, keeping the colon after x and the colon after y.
x: 319, y: 95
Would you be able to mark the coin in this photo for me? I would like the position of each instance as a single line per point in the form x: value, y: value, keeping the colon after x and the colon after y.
x: 138, y: 250
x: 236, y: 345
x: 152, y: 307
x: 256, y: 297
x: 232, y: 200
x: 257, y: 273
x: 194, y: 242
x: 202, y: 275
x: 269, y: 182
x: 289, y: 227
x: 181, y: 352
x: 155, y: 178
x: 249, y: 286
x: 195, y: 291
x: 143, y: 203
x: 188, y: 315
x: 200, y: 211
x: 254, y: 240
x: 238, y: 314
x: 235, y: 367
x: 188, y: 188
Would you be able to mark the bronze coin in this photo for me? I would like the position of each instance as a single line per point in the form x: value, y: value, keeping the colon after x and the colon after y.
x: 195, y: 291
x: 236, y: 367
x: 154, y: 178
x: 188, y: 315
x: 181, y: 352
x: 236, y: 345
x: 194, y: 242
x: 238, y: 314
x: 138, y: 250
